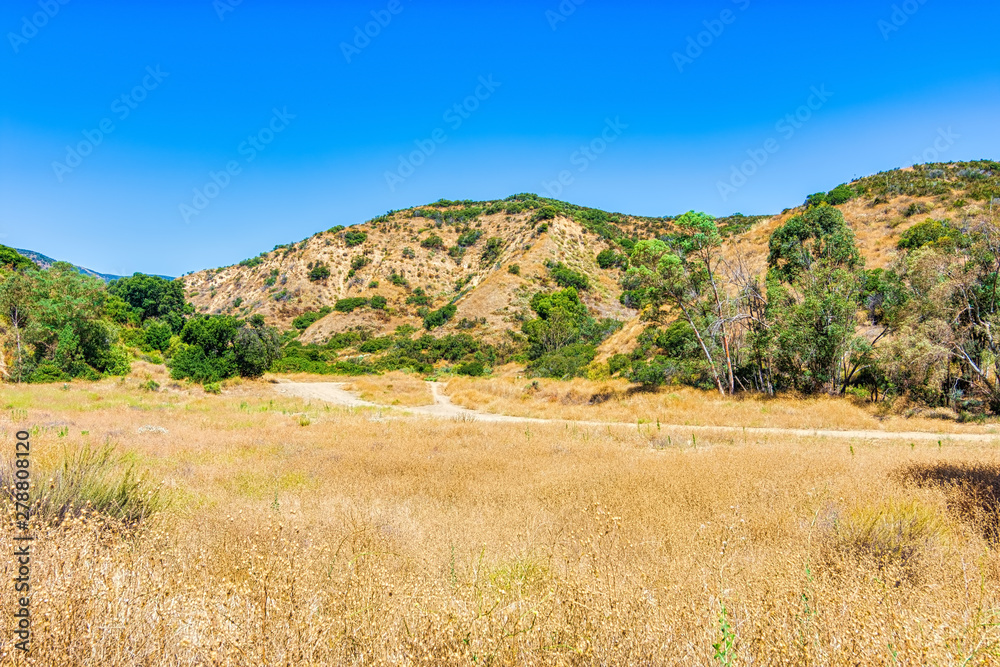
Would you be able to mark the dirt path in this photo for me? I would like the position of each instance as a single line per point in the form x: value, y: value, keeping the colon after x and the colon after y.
x: 443, y: 408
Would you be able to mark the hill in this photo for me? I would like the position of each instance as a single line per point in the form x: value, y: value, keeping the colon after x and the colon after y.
x: 44, y: 262
x: 489, y: 257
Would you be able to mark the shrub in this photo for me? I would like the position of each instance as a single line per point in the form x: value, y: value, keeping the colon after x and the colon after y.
x: 469, y: 238
x: 928, y: 232
x: 514, y: 269
x: 432, y: 242
x: 355, y: 237
x: 491, y: 252
x: 350, y: 304
x: 471, y: 369
x: 213, y: 388
x: 567, y: 277
x: 319, y: 272
x: 360, y: 261
x: 310, y: 317
x: 439, y: 317
x: 378, y: 302
x: 408, y: 253
x: 840, y: 195
x: 420, y: 298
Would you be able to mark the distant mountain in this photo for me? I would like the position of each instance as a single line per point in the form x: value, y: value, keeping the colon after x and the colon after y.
x: 44, y: 262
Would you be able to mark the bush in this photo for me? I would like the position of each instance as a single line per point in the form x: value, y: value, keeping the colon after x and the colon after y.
x: 350, y: 304
x: 408, y: 253
x: 840, y: 195
x: 469, y: 238
x: 355, y: 237
x: 46, y: 373
x: 567, y: 277
x: 439, y: 317
x: 256, y: 349
x: 471, y: 369
x: 319, y: 272
x: 360, y: 261
x: 378, y: 302
x: 213, y: 388
x: 567, y: 362
x: 514, y: 269
x: 308, y: 318
x: 491, y: 252
x: 936, y: 232
x: 433, y: 241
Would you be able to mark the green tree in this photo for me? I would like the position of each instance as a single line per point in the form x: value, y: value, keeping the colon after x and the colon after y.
x: 152, y: 297
x: 687, y: 276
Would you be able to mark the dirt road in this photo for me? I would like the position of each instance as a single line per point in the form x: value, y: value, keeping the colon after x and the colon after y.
x: 443, y: 408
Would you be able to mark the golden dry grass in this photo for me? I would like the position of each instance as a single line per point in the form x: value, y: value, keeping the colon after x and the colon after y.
x: 618, y: 401
x: 394, y: 388
x: 348, y: 538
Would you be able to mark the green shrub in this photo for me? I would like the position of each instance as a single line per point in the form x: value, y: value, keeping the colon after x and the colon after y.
x: 937, y: 232
x: 378, y: 302
x: 350, y: 304
x: 470, y: 238
x: 319, y: 272
x: 439, y: 317
x: 567, y: 277
x: 355, y: 237
x: 433, y: 241
x: 514, y: 269
x: 491, y: 252
x: 471, y: 369
x: 213, y: 388
x: 408, y: 253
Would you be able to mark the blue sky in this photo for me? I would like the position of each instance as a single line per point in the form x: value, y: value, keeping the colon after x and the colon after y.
x: 639, y: 107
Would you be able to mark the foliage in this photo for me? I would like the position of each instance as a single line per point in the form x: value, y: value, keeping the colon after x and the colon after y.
x: 440, y: 316
x: 310, y: 317
x: 217, y: 347
x: 567, y: 277
x: 819, y: 234
x: 319, y: 271
x: 355, y: 237
x: 491, y: 252
x: 152, y: 297
x: 14, y: 260
x: 350, y: 304
x: 432, y: 242
x: 927, y: 233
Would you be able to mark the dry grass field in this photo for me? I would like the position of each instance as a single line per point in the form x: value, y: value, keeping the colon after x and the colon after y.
x: 297, y: 533
x: 618, y: 401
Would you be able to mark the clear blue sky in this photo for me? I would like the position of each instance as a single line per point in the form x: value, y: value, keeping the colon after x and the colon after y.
x: 892, y: 81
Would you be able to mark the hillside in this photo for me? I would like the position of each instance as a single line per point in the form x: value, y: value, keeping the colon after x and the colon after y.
x: 489, y: 257
x: 44, y: 262
x: 430, y: 256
